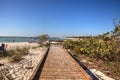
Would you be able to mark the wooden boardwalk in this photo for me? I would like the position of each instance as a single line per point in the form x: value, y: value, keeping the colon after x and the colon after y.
x: 59, y: 65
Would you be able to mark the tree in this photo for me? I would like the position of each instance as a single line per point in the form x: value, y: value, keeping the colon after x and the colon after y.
x: 43, y: 38
x: 116, y: 31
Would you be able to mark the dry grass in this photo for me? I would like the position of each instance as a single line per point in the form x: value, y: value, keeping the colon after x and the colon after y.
x: 15, y: 55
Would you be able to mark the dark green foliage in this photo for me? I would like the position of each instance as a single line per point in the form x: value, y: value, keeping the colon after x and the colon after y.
x: 3, y: 53
x: 98, y: 48
x: 69, y: 44
x: 106, y: 50
x: 90, y: 60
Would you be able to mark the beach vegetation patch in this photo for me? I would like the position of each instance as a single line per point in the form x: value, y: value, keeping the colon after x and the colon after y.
x: 15, y: 54
x: 43, y: 39
x: 3, y: 53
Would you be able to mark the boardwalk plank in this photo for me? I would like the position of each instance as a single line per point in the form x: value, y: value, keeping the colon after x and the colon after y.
x: 60, y: 66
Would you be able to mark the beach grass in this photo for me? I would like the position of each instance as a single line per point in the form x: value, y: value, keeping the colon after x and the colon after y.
x: 15, y: 55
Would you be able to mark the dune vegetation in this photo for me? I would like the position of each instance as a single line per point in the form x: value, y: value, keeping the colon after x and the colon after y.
x: 105, y: 48
x: 15, y: 55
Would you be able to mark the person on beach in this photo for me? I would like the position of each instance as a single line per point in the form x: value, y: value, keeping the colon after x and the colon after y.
x: 13, y: 40
x: 3, y: 46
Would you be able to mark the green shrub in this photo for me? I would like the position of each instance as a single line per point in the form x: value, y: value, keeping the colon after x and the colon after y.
x: 16, y: 58
x: 90, y: 60
x: 77, y: 50
x: 3, y: 53
x: 108, y: 50
x: 17, y: 54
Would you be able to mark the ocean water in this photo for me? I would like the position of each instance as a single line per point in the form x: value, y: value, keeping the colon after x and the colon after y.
x: 22, y: 39
x: 17, y: 39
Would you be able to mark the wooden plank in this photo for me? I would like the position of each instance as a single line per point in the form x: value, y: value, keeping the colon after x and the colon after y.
x: 59, y: 65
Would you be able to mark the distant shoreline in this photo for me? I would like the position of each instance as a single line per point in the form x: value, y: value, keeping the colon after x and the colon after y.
x: 7, y: 39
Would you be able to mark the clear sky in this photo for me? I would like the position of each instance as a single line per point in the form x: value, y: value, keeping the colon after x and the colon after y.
x: 58, y: 18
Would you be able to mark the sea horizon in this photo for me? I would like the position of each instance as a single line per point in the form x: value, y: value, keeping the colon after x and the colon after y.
x: 4, y: 39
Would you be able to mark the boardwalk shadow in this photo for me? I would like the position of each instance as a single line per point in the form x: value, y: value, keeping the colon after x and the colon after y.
x: 38, y: 73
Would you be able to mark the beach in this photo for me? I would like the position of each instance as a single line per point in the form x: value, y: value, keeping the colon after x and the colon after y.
x: 14, y: 45
x: 23, y: 69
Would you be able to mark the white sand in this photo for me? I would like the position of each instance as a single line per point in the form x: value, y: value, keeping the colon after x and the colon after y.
x: 14, y: 45
x: 20, y: 70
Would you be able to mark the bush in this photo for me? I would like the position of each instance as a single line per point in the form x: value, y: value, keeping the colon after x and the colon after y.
x: 3, y: 54
x: 108, y: 50
x: 16, y: 58
x: 17, y: 54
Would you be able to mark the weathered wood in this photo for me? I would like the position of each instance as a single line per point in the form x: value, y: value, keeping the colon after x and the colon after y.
x: 35, y: 74
x: 59, y: 65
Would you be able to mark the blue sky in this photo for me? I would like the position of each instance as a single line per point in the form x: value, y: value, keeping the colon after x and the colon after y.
x: 58, y: 18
